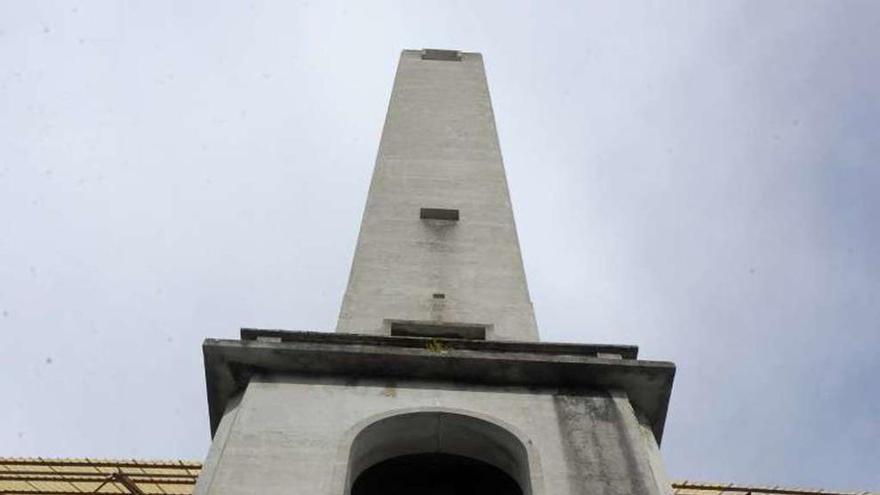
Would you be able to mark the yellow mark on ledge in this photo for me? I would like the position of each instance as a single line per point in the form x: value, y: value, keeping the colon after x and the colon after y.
x: 436, y: 346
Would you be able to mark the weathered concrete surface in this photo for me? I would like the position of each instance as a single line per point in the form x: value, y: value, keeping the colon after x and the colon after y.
x: 440, y: 150
x: 439, y: 432
x: 294, y: 434
x: 437, y: 245
x: 229, y: 364
x: 605, y: 441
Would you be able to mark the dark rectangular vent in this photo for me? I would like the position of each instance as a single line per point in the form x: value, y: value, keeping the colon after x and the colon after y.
x: 443, y: 331
x: 438, y: 214
x: 447, y: 55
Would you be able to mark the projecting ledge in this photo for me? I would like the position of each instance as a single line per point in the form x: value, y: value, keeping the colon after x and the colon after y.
x: 229, y: 364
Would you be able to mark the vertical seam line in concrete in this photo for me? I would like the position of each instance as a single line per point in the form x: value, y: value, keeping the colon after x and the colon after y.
x: 439, y: 430
x: 220, y: 455
x: 632, y: 431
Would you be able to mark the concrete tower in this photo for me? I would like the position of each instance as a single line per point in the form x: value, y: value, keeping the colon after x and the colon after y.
x: 438, y: 245
x: 435, y: 382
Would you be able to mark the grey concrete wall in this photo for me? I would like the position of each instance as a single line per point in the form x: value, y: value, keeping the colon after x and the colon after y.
x: 439, y: 149
x: 292, y: 435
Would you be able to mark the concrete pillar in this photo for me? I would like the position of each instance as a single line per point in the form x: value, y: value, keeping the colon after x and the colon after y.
x: 438, y: 250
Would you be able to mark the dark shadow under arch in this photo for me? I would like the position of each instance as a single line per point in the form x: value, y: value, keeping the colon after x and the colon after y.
x: 434, y: 474
x: 452, y: 439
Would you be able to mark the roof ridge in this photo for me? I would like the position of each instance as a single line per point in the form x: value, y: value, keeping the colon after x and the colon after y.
x: 190, y: 465
x: 785, y: 490
x: 100, y: 461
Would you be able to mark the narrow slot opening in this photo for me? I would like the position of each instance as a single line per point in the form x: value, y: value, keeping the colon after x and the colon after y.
x: 446, y: 55
x: 438, y: 214
x: 443, y: 331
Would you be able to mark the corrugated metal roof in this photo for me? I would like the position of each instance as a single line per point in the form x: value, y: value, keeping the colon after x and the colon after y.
x: 20, y: 476
x: 31, y: 476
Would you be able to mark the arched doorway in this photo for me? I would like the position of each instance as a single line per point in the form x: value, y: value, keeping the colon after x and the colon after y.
x: 437, y: 453
x: 434, y: 474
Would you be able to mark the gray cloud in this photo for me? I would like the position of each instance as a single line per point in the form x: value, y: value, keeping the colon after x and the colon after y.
x: 698, y: 179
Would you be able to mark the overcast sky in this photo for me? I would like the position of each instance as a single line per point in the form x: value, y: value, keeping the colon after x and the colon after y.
x: 697, y: 178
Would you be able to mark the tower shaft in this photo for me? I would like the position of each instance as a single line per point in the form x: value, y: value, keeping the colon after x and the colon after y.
x: 438, y: 252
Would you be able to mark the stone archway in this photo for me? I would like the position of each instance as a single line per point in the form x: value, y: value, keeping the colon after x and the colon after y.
x: 434, y: 474
x: 437, y: 440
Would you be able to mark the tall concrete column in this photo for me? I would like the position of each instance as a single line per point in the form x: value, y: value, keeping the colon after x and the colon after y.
x: 437, y: 257
x: 438, y: 250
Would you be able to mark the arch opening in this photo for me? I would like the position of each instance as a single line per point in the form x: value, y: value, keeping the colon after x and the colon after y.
x: 434, y: 474
x: 407, y: 449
